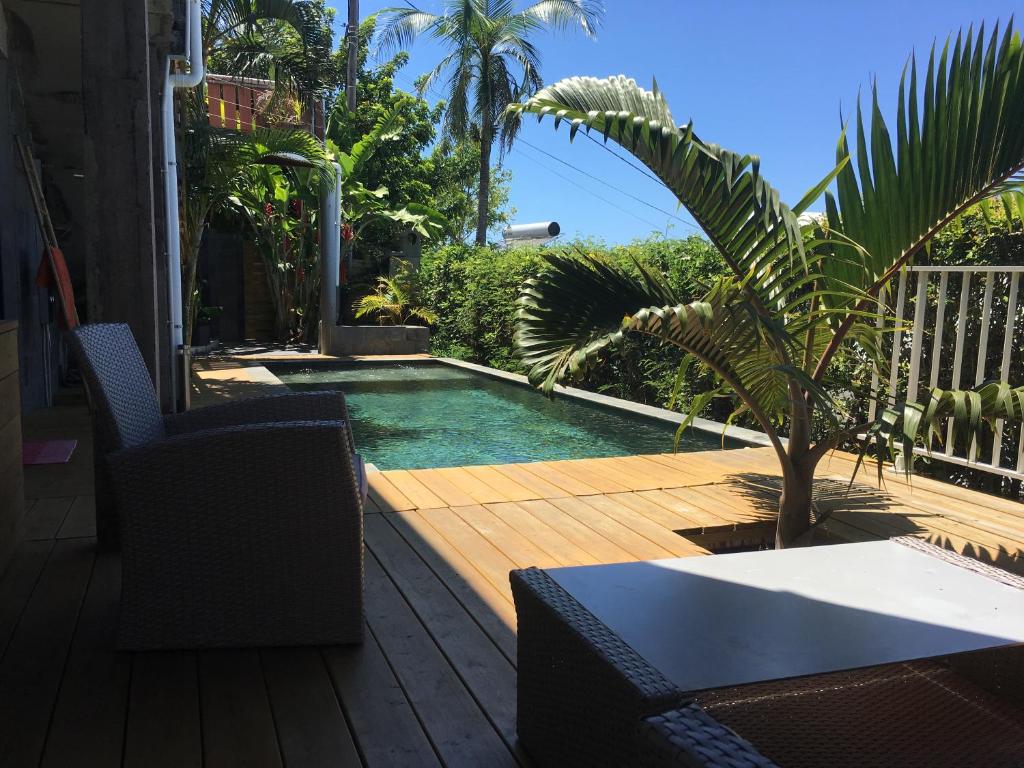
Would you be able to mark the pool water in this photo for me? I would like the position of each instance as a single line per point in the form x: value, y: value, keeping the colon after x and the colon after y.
x: 414, y: 416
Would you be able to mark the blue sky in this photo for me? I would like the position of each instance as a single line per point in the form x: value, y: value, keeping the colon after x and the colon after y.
x: 766, y: 77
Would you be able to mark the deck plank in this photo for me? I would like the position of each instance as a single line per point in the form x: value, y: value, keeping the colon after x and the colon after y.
x: 311, y: 727
x: 375, y: 704
x: 514, y: 515
x: 638, y: 547
x: 89, y: 719
x: 450, y: 494
x: 17, y: 584
x: 81, y: 518
x: 238, y: 726
x: 589, y: 472
x: 662, y: 537
x: 540, y: 488
x: 458, y: 729
x: 164, y: 727
x: 46, y: 516
x: 471, y: 485
x: 479, y: 663
x: 509, y: 489
x: 491, y: 609
x: 418, y: 494
x: 571, y: 486
x: 489, y: 560
x: 516, y: 547
x: 32, y: 667
x: 385, y: 495
x: 599, y: 547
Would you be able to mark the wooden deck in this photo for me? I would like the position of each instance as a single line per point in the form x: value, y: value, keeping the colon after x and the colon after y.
x: 434, y: 684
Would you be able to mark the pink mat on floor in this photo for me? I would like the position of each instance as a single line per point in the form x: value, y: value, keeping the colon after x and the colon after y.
x: 47, y: 451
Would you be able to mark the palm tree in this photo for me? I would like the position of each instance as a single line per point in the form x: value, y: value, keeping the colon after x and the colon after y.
x: 287, y: 41
x: 799, y: 299
x: 224, y: 20
x: 491, y: 64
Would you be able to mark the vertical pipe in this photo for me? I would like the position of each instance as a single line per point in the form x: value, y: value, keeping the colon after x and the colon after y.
x: 330, y: 253
x: 193, y: 78
x: 353, y: 54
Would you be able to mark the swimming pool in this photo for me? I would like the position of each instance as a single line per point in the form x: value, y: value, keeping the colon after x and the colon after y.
x: 414, y: 416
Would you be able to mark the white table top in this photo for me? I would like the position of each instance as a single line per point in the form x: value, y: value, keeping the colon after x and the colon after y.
x: 711, y: 622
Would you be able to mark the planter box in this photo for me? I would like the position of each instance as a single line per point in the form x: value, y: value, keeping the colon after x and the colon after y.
x: 347, y: 340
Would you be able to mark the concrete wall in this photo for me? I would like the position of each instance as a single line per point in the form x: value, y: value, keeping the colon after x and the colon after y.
x: 344, y: 340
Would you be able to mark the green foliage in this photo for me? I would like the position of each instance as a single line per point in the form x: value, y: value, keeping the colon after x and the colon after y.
x: 490, y: 64
x: 410, y: 164
x: 280, y: 208
x: 396, y: 300
x: 474, y: 291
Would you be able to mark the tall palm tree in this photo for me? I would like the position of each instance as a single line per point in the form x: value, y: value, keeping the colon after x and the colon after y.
x: 800, y: 299
x: 491, y: 64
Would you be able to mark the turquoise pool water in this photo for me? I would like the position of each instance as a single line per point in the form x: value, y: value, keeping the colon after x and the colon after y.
x: 436, y: 415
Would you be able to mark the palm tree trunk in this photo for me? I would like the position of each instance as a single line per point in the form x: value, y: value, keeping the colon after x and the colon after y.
x: 795, y: 503
x: 483, y: 201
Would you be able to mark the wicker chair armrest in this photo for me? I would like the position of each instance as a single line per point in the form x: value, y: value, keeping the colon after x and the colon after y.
x: 688, y: 737
x: 293, y: 406
x: 583, y: 693
x: 239, y: 535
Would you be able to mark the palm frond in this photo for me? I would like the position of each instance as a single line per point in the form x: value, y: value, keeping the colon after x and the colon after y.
x: 958, y: 140
x: 757, y: 234
x: 902, y: 427
x: 402, y: 26
x: 565, y: 14
x: 574, y: 310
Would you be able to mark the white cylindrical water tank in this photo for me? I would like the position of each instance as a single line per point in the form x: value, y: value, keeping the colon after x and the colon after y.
x: 538, y: 230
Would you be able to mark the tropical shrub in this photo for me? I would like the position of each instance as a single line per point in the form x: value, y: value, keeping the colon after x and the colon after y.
x: 396, y: 300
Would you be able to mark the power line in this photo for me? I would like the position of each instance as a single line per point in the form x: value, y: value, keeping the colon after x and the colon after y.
x: 521, y: 140
x: 626, y: 160
x: 589, y: 191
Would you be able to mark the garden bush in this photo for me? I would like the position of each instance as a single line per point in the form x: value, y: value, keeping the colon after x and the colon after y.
x: 474, y: 290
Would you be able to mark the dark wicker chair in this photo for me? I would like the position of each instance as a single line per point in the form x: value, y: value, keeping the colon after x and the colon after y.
x: 240, y: 524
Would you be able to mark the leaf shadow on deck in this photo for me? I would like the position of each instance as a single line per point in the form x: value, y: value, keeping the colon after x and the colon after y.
x: 846, y: 512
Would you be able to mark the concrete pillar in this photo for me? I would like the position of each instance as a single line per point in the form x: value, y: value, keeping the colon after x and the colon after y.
x: 120, y: 220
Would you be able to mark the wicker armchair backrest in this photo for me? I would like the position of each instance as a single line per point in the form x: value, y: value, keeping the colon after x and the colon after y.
x: 120, y: 389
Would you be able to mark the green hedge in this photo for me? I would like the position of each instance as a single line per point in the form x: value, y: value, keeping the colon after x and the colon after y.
x: 474, y: 290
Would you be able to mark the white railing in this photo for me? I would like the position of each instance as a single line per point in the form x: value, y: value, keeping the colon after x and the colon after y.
x: 984, y: 332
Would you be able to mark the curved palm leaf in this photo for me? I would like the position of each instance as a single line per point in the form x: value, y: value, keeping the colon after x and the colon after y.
x: 958, y: 141
x: 757, y: 234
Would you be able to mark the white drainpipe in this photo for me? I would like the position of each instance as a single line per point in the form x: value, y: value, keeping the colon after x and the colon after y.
x: 194, y: 57
x: 330, y: 254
